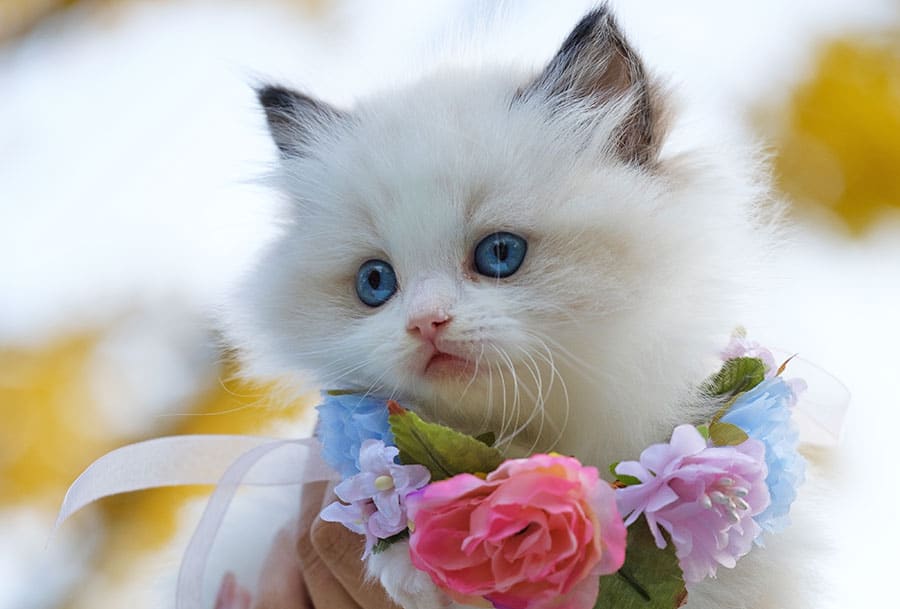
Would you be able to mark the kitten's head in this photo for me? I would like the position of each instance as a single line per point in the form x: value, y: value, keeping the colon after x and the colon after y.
x: 479, y: 243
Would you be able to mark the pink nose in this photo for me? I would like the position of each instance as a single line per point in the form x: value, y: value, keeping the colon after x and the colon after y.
x: 428, y: 324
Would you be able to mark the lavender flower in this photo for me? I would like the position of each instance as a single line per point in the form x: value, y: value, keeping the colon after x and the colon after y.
x: 377, y: 495
x: 345, y: 421
x: 764, y: 413
x: 704, y: 497
x: 354, y: 516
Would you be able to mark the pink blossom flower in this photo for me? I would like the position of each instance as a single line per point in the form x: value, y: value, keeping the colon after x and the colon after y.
x: 375, y: 499
x: 536, y: 533
x: 741, y: 346
x: 704, y: 496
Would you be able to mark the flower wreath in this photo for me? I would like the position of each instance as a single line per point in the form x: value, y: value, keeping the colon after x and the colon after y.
x: 540, y: 532
x: 546, y: 531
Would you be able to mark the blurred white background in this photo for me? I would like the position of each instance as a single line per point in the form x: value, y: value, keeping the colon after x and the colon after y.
x: 129, y: 145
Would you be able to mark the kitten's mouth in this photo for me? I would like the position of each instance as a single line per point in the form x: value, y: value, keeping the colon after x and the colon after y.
x: 442, y: 364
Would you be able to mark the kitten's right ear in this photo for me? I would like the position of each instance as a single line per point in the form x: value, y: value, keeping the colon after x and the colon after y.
x: 596, y: 65
x: 294, y: 118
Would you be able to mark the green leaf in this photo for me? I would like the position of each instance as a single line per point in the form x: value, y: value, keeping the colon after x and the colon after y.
x: 383, y: 544
x: 444, y: 451
x: 649, y: 579
x: 704, y: 431
x: 737, y: 375
x: 726, y: 434
x: 624, y: 479
x: 488, y: 437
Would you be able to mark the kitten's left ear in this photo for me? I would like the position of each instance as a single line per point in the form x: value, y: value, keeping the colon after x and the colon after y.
x: 294, y: 118
x: 596, y: 65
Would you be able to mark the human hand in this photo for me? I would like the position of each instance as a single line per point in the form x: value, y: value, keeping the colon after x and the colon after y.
x: 312, y: 565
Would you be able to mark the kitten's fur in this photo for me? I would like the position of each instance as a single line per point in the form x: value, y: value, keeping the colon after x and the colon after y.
x: 596, y: 345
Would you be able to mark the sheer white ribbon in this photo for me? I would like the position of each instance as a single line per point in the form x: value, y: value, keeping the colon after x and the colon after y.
x: 226, y: 461
x: 822, y: 407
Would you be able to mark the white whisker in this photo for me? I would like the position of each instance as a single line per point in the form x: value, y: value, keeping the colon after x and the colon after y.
x: 554, y: 372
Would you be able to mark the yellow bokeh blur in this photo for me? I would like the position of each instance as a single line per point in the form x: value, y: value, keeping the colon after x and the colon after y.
x: 839, y: 149
x: 52, y: 429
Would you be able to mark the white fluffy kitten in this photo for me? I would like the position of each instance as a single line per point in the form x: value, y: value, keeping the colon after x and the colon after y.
x: 635, y: 261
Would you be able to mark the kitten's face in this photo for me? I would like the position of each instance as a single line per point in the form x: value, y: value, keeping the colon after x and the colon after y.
x: 471, y: 243
x: 419, y: 191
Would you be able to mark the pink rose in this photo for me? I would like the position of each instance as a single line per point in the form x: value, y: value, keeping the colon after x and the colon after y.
x: 538, y: 532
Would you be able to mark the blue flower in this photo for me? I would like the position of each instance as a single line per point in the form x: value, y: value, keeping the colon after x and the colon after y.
x: 764, y: 413
x: 345, y: 422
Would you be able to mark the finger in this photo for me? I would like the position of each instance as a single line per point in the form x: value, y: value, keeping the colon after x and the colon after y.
x: 315, y: 496
x: 324, y: 589
x: 341, y: 550
x: 281, y: 583
x: 244, y: 598
x: 231, y: 595
x: 225, y: 597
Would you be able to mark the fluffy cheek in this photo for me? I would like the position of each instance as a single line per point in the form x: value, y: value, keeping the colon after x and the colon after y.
x: 303, y: 316
x: 374, y: 351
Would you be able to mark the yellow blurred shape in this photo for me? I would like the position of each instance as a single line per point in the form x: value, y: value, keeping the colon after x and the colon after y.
x: 841, y: 146
x: 52, y: 429
x: 46, y: 406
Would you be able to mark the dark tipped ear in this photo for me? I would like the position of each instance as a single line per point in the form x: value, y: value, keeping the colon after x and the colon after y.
x: 294, y: 118
x: 596, y: 64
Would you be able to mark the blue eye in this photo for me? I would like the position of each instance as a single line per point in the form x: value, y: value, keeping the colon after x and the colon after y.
x: 500, y: 254
x: 376, y: 282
